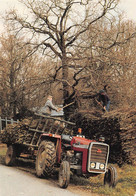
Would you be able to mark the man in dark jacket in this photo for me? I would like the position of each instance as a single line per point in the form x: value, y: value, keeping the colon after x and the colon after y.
x: 103, y: 97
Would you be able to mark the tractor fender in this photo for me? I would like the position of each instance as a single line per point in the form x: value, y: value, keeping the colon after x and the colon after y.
x: 56, y: 139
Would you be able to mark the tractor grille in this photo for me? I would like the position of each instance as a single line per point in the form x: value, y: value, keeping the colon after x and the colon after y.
x: 99, y: 153
x: 98, y: 157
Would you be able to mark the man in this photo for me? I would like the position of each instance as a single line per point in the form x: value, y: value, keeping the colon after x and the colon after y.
x: 103, y: 97
x: 49, y: 106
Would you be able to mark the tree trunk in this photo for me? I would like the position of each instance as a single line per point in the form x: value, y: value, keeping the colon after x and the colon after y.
x: 65, y: 83
x: 13, y: 93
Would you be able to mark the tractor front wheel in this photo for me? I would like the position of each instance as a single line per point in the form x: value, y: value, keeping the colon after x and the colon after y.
x: 46, y: 158
x: 10, y: 157
x: 110, y: 177
x: 64, y: 174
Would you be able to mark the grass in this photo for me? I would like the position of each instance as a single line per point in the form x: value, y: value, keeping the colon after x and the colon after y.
x: 3, y: 150
x: 126, y: 185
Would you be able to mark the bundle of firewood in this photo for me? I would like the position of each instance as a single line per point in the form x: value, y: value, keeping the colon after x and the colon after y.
x: 15, y: 133
x: 29, y: 130
x: 118, y: 128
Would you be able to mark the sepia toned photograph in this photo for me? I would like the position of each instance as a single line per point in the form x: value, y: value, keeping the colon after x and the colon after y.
x: 67, y: 98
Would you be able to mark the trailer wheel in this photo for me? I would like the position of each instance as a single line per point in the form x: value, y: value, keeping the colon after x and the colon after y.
x: 46, y: 158
x: 110, y: 177
x: 64, y: 174
x: 10, y: 157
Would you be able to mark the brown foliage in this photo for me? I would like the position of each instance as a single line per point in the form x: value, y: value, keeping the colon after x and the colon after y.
x: 119, y: 129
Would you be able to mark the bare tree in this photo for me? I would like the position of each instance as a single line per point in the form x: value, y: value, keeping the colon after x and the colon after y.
x: 59, y: 25
x: 22, y: 76
x: 112, y: 62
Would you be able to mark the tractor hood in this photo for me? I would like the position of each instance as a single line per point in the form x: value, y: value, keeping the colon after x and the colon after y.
x: 80, y: 140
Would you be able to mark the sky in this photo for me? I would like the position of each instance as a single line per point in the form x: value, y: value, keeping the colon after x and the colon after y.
x: 128, y: 6
x: 9, y: 4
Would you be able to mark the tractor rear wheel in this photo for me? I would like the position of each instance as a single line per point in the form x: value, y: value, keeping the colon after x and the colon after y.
x: 64, y: 174
x: 46, y: 158
x: 10, y: 157
x: 110, y: 177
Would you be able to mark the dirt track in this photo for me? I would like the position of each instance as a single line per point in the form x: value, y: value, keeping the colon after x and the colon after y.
x: 15, y: 182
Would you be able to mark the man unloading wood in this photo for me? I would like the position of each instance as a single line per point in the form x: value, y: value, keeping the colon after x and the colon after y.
x: 49, y: 106
x: 104, y: 100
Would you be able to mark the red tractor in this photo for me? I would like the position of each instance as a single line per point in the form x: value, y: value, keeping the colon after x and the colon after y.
x: 76, y: 154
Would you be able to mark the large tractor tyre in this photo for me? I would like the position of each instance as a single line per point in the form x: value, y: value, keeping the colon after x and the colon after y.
x: 64, y: 174
x: 10, y: 157
x: 110, y: 177
x: 46, y: 158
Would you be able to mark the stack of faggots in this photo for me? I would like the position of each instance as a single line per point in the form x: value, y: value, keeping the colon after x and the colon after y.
x: 119, y: 130
x: 29, y: 130
x: 15, y: 133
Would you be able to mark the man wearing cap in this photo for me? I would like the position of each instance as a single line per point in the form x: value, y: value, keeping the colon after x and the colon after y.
x: 49, y: 106
x: 103, y: 97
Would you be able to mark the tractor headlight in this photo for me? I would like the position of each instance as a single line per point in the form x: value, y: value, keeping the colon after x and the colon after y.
x: 102, y: 166
x: 101, y: 139
x: 92, y: 165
